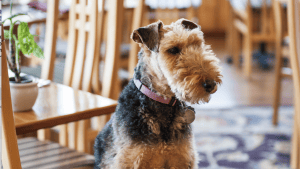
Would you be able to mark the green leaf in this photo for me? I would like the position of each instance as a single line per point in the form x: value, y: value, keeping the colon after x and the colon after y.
x: 38, y: 52
x: 27, y: 43
x: 6, y: 34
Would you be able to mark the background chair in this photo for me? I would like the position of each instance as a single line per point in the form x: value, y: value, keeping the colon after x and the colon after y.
x: 81, y: 65
x: 243, y: 24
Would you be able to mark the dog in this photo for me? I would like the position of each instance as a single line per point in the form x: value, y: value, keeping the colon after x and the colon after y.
x: 151, y: 128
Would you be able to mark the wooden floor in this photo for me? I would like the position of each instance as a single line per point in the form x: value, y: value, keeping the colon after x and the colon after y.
x: 236, y: 90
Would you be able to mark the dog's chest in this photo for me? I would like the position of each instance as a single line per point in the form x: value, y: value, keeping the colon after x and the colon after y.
x: 165, y: 125
x: 148, y: 121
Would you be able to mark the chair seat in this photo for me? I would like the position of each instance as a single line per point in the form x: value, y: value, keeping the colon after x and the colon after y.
x: 47, y: 154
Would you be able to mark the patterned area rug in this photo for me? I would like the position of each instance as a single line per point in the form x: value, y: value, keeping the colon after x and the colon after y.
x: 243, y: 138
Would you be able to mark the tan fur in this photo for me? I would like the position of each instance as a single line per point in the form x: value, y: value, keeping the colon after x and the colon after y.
x: 182, y: 75
x: 166, y: 156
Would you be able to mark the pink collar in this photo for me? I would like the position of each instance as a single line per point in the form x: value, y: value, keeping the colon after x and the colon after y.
x: 146, y: 91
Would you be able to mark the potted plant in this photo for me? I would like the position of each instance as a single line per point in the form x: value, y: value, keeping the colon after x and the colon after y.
x: 24, y: 89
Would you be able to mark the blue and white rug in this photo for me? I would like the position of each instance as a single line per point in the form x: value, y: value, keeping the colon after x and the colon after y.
x: 243, y: 138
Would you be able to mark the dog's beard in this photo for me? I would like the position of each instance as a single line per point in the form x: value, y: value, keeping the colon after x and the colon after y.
x: 193, y: 95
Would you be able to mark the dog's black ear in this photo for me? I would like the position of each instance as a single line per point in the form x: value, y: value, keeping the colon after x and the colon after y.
x: 188, y: 24
x: 148, y: 35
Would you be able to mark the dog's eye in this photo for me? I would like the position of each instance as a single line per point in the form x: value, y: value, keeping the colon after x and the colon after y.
x: 174, y: 50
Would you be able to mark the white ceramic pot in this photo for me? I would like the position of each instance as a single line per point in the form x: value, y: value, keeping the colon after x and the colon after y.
x: 23, y: 95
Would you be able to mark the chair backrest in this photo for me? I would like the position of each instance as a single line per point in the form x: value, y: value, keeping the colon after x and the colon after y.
x: 243, y: 10
x: 10, y: 151
x: 82, y: 44
x: 82, y: 61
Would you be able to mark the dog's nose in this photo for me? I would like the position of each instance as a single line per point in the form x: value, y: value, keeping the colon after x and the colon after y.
x: 209, y: 85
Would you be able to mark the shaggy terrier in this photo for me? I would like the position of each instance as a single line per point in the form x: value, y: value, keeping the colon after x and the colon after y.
x: 151, y: 128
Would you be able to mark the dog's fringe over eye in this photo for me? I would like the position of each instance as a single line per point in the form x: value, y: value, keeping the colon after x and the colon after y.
x: 174, y: 50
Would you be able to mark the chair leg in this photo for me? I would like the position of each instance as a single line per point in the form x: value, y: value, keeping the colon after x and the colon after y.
x: 295, y: 156
x: 236, y: 47
x: 247, y: 56
x: 63, y: 135
x: 277, y: 87
x: 73, y: 132
x: 82, y: 143
x: 44, y: 134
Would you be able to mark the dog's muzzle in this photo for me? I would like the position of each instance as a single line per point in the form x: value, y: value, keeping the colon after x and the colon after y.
x: 209, y: 85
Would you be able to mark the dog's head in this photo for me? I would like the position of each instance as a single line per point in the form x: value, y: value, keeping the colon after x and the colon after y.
x: 177, y: 54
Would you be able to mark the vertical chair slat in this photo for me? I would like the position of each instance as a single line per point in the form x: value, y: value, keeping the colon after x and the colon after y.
x: 100, y: 27
x: 50, y: 39
x: 92, y: 50
x: 137, y: 22
x: 72, y: 44
x: 81, y: 49
x: 111, y: 82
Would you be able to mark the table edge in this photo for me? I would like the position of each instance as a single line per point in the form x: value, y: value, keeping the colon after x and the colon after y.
x: 52, y: 122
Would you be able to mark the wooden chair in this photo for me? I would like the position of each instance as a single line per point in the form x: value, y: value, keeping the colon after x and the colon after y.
x: 293, y: 8
x: 80, y: 66
x: 29, y: 150
x: 281, y: 51
x: 243, y: 24
x: 82, y: 69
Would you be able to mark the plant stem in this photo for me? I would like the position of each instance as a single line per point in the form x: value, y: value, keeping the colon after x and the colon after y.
x: 14, y: 62
x: 11, y: 7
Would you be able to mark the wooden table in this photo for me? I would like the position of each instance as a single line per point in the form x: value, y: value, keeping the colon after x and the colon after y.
x: 59, y: 104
